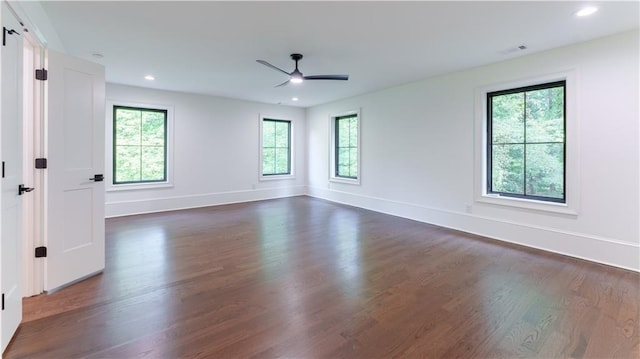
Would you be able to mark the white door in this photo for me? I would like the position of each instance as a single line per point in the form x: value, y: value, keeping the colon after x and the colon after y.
x: 74, y: 218
x: 11, y: 178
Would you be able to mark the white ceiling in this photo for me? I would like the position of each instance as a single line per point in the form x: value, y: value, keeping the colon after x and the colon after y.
x: 210, y: 47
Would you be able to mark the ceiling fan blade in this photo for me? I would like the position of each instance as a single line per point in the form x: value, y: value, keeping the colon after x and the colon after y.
x: 273, y: 67
x: 327, y: 77
x: 282, y: 84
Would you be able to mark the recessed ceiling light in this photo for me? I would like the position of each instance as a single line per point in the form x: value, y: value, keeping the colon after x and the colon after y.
x: 294, y: 99
x: 589, y: 10
x: 149, y: 78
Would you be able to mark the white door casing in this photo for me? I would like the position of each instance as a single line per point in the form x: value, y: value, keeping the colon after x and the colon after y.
x: 33, y: 269
x: 74, y: 214
x: 11, y: 156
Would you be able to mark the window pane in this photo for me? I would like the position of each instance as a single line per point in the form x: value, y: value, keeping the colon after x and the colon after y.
x: 545, y: 170
x: 140, y: 140
x: 268, y: 161
x: 507, y: 174
x: 276, y: 148
x: 545, y: 115
x: 353, y: 132
x: 153, y: 163
x: 343, y: 171
x: 507, y: 113
x: 153, y: 128
x: 282, y: 161
x: 353, y: 162
x: 268, y: 133
x: 343, y: 162
x: 343, y: 132
x: 528, y: 142
x: 127, y: 127
x: 346, y: 132
x: 127, y: 164
x: 282, y: 134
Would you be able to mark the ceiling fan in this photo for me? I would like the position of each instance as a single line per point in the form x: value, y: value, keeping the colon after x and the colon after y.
x: 297, y: 77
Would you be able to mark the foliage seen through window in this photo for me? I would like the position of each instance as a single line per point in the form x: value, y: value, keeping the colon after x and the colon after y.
x: 276, y: 148
x: 139, y: 145
x: 526, y: 142
x: 346, y: 142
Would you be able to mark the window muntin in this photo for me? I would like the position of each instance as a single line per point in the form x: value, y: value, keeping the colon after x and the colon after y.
x: 526, y: 146
x: 346, y: 146
x: 139, y: 145
x: 276, y: 147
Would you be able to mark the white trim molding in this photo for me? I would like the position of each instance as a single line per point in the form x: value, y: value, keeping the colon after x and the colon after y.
x: 163, y: 204
x: 608, y: 251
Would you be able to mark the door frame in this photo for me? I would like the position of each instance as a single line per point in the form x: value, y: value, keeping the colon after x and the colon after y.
x: 33, y: 207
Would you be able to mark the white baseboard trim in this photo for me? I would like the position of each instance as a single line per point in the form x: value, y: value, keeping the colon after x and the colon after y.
x: 592, y: 248
x: 152, y: 205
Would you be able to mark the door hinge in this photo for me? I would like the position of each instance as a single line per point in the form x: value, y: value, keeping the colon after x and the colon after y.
x: 41, y: 163
x: 2, y: 169
x: 2, y: 301
x: 41, y: 252
x: 41, y: 74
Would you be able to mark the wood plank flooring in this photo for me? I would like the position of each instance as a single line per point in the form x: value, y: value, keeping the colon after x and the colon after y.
x: 305, y: 278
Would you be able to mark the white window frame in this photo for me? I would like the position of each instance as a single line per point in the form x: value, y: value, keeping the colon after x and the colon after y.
x: 109, y: 148
x: 572, y: 146
x: 332, y: 148
x: 292, y: 161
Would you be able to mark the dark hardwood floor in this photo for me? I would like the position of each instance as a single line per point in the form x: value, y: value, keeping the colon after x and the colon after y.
x: 305, y: 278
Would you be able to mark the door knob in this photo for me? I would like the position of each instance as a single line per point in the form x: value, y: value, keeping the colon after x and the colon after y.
x: 22, y: 189
x: 97, y: 178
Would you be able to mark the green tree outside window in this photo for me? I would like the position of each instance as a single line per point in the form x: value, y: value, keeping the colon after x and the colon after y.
x: 139, y: 145
x: 346, y: 142
x: 276, y: 147
x: 526, y: 142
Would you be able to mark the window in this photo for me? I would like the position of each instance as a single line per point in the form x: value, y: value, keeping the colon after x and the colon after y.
x: 139, y: 145
x: 346, y: 146
x: 526, y: 142
x: 276, y: 147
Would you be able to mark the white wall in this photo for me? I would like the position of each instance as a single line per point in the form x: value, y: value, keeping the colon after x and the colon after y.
x: 418, y: 153
x: 418, y: 149
x: 216, y: 151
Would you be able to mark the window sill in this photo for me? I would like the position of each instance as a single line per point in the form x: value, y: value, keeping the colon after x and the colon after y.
x: 529, y: 204
x: 138, y: 186
x: 345, y: 180
x: 277, y: 177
